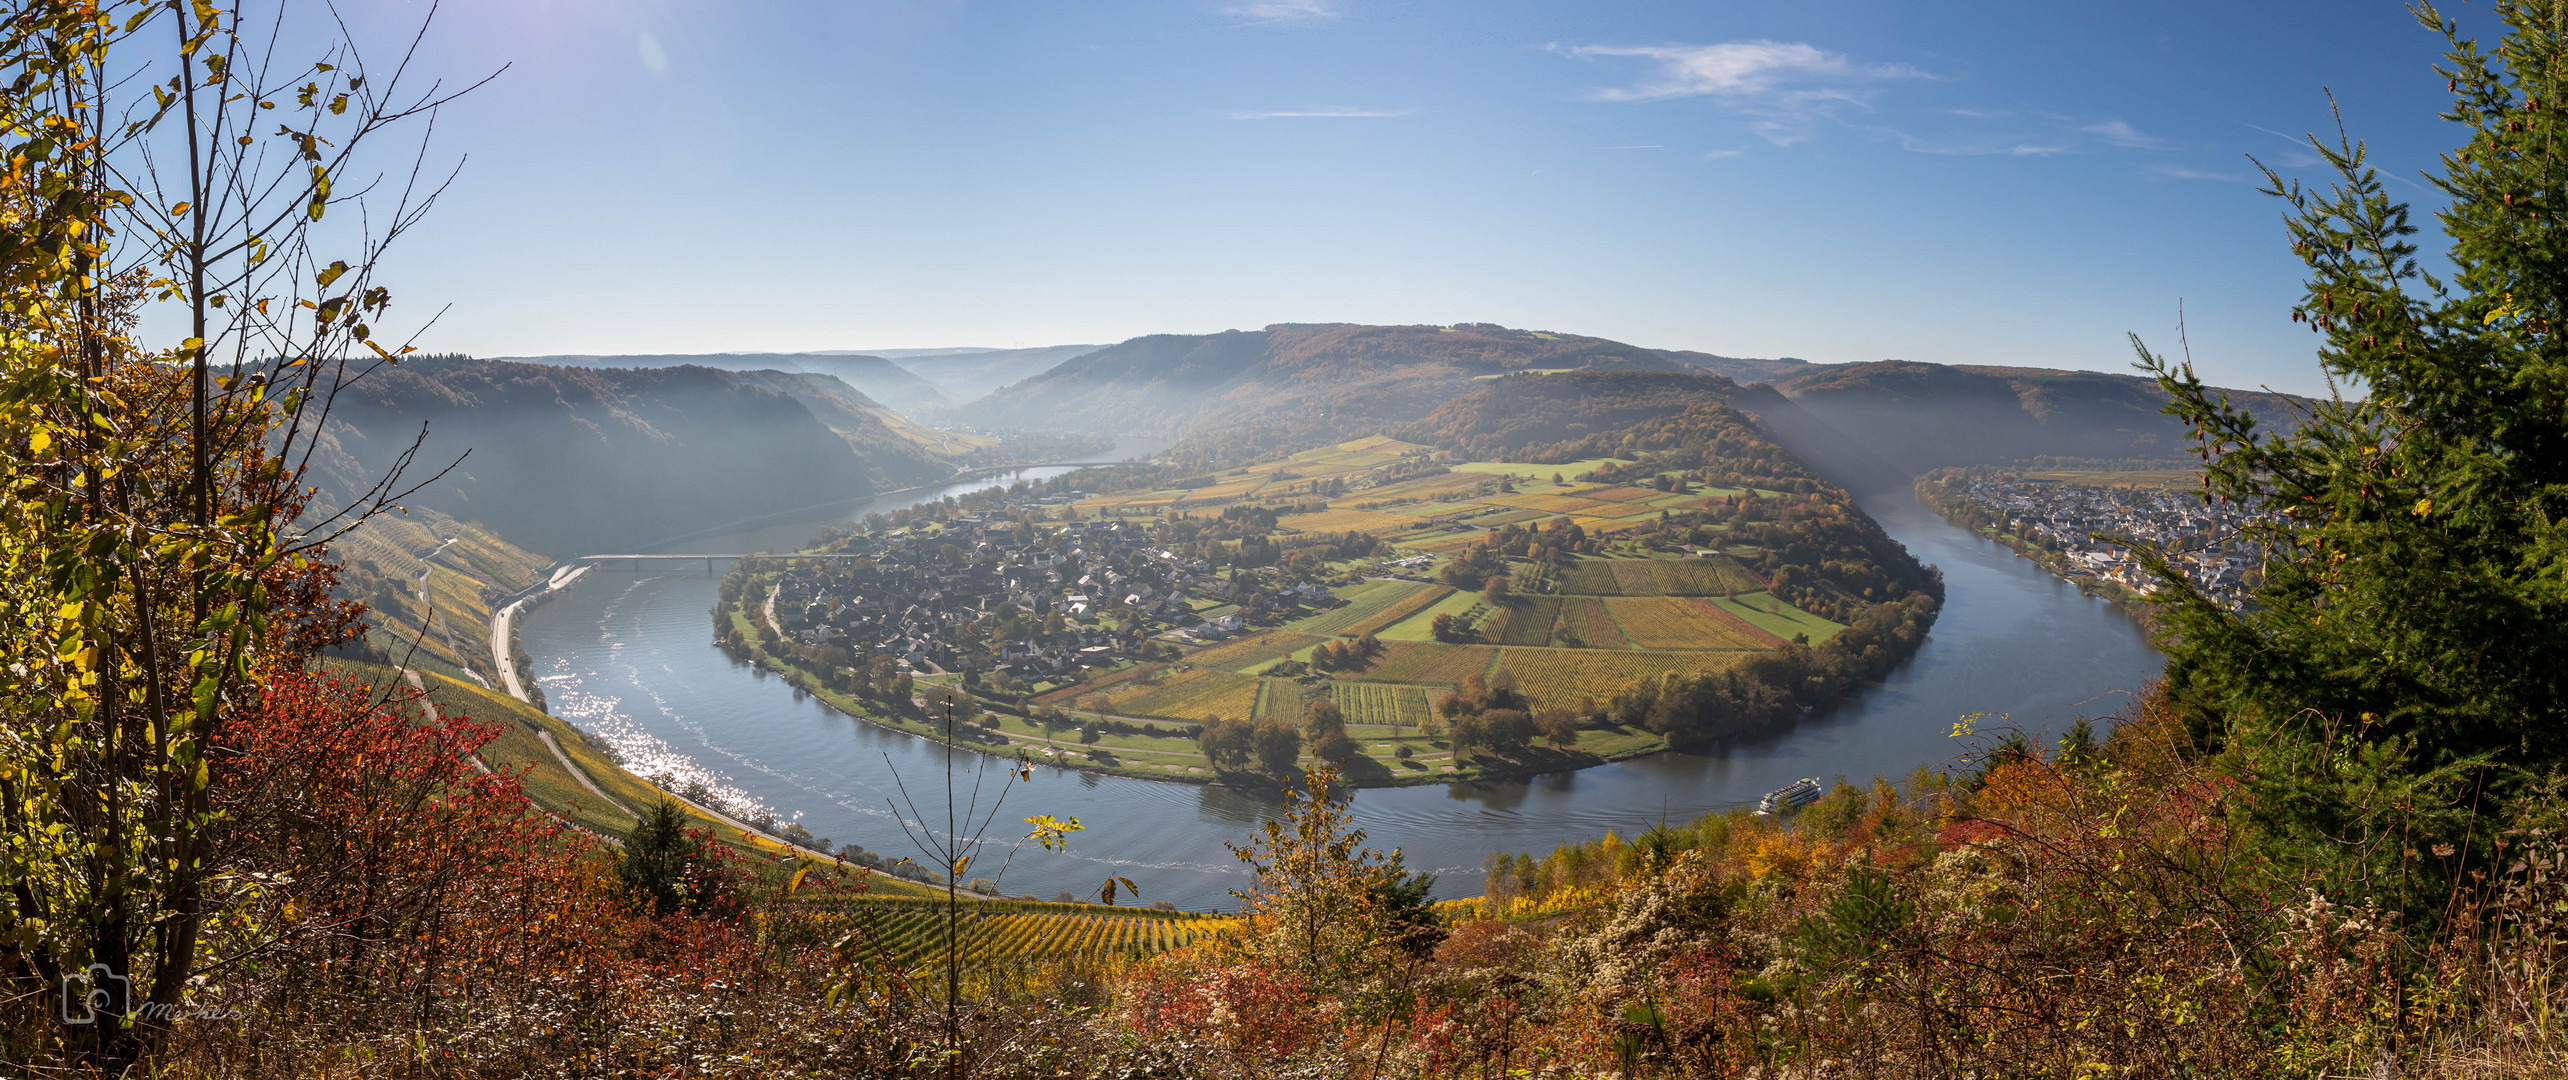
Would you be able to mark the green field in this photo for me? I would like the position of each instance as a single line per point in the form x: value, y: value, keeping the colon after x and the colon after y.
x: 1417, y: 626
x: 1791, y: 620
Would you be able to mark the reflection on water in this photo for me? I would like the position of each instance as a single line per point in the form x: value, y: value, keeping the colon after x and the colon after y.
x: 630, y: 657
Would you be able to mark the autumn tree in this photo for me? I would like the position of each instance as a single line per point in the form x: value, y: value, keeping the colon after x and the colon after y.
x: 1559, y: 726
x: 160, y: 562
x: 1324, y: 905
x: 1278, y: 747
x: 1228, y: 744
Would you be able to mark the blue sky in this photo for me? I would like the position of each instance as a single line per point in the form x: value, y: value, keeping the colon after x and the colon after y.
x: 2012, y: 183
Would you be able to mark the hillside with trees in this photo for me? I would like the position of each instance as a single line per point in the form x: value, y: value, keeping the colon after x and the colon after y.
x: 1331, y: 377
x: 1926, y: 416
x: 874, y: 377
x: 566, y: 461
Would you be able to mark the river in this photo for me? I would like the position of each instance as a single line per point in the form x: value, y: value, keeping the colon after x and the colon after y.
x: 629, y: 656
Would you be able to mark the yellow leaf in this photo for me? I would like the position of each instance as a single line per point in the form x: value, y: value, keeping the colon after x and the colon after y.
x: 796, y: 883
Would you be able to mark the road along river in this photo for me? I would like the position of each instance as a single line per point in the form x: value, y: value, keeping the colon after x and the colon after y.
x: 629, y: 656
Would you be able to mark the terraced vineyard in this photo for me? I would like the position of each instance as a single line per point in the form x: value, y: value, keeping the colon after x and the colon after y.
x: 910, y: 933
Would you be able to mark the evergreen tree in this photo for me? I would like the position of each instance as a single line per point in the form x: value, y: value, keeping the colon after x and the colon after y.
x: 664, y: 864
x: 2400, y: 673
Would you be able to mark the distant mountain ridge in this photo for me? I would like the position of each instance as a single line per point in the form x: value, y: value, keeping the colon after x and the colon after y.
x: 1868, y: 425
x: 1341, y: 375
x: 1927, y: 416
x: 967, y: 373
x: 885, y: 382
x: 568, y: 460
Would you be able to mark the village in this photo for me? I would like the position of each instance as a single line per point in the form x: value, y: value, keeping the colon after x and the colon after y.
x: 2082, y: 524
x: 1035, y: 601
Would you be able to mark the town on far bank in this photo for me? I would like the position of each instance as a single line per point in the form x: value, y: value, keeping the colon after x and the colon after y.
x: 2086, y: 525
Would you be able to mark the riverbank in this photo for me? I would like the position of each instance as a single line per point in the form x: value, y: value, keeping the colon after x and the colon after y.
x: 1965, y: 514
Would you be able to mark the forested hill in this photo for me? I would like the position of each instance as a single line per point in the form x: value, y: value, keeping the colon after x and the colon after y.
x: 1336, y: 377
x: 1570, y: 415
x: 1925, y: 416
x: 887, y: 383
x: 566, y: 461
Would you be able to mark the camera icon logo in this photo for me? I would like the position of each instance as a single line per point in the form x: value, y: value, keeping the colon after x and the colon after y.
x: 93, y: 992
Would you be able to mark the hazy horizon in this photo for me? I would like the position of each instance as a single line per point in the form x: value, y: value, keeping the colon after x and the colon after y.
x: 2015, y: 184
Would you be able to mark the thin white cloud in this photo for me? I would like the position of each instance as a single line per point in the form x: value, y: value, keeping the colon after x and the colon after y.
x: 1333, y: 112
x: 1736, y: 69
x: 2178, y: 172
x: 1716, y: 155
x: 1284, y: 11
x: 654, y: 58
x: 2121, y: 133
x: 1783, y: 86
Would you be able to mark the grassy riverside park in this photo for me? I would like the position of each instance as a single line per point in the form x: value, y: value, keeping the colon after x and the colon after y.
x: 1572, y: 634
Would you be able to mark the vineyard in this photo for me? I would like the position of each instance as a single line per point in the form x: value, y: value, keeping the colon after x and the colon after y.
x: 1658, y: 577
x: 1375, y: 703
x: 910, y: 933
x: 1428, y: 662
x: 1562, y: 676
x: 1279, y: 699
x: 1586, y: 621
x: 1195, y: 695
x: 1683, y: 622
x: 1529, y: 621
